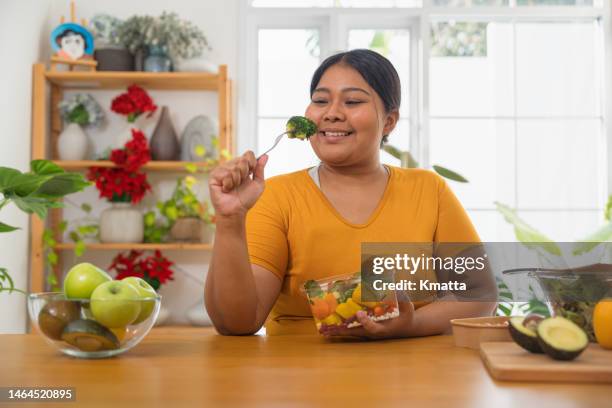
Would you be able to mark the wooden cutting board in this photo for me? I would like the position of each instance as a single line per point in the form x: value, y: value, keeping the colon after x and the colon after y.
x: 506, y: 361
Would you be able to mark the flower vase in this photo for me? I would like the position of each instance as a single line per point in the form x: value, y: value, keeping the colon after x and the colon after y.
x: 164, y: 142
x: 121, y: 223
x: 73, y: 143
x: 157, y: 60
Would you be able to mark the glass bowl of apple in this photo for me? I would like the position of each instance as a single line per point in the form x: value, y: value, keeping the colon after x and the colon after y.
x: 95, y: 316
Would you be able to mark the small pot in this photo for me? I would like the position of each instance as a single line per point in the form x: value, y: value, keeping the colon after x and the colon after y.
x: 191, y: 229
x: 114, y: 59
x: 121, y: 223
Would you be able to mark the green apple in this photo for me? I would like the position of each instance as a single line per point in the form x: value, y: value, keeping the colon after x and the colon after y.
x: 145, y: 291
x: 115, y: 304
x: 83, y: 279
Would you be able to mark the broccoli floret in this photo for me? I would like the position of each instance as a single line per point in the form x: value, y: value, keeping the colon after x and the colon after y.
x: 299, y: 127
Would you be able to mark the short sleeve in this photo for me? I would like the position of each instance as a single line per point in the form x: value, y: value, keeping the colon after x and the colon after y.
x: 266, y: 233
x: 454, y: 224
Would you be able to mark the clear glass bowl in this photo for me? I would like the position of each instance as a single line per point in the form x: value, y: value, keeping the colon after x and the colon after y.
x: 572, y: 293
x: 335, y: 301
x: 70, y: 326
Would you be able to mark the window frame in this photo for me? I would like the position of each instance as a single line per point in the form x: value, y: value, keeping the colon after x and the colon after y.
x: 334, y: 24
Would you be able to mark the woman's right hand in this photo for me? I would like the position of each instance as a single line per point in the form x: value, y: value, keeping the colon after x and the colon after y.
x: 232, y: 190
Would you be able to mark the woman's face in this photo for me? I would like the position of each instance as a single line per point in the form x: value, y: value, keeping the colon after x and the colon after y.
x: 350, y: 117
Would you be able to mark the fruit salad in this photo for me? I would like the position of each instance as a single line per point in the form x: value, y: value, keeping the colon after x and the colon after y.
x: 334, y: 302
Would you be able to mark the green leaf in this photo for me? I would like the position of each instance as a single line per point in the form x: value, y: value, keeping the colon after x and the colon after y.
x: 52, y: 258
x: 74, y: 236
x: 86, y: 207
x: 32, y: 206
x: 52, y: 279
x: 608, y: 211
x: 527, y: 234
x: 45, y: 167
x: 48, y: 238
x: 199, y: 151
x: 504, y: 310
x: 449, y: 174
x: 603, y: 234
x: 7, y: 228
x: 25, y: 184
x: 79, y: 115
x: 90, y: 229
x: 393, y: 151
x: 7, y: 175
x: 62, y: 226
x: 62, y: 184
x: 79, y: 248
x: 191, y: 167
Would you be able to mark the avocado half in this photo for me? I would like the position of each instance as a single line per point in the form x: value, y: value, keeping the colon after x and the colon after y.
x: 524, y: 334
x: 56, y: 315
x: 89, y: 335
x: 561, y: 338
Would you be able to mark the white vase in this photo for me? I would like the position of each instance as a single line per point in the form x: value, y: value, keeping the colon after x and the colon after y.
x: 73, y: 143
x: 121, y: 223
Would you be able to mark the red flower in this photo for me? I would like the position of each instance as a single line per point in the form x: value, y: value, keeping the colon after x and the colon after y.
x: 133, y: 103
x: 124, y: 182
x: 155, y: 269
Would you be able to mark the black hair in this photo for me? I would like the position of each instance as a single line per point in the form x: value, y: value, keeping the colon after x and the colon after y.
x: 58, y: 39
x: 375, y: 69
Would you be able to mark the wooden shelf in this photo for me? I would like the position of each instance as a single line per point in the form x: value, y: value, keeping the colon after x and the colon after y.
x: 125, y: 246
x: 186, y: 81
x: 176, y: 166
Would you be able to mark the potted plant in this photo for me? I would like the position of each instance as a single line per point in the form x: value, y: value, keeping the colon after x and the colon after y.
x: 34, y: 192
x: 124, y: 186
x: 184, y: 217
x: 165, y: 39
x: 110, y: 53
x: 78, y: 111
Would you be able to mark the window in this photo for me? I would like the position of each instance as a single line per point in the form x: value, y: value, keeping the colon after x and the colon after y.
x: 508, y: 93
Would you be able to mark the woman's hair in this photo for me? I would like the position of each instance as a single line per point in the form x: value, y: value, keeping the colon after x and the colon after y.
x: 377, y: 71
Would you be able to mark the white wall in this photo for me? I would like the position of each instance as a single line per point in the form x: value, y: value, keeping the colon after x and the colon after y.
x: 23, y: 37
x: 32, y: 25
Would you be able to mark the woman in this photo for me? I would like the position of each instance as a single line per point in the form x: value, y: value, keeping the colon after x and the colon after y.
x: 273, y: 236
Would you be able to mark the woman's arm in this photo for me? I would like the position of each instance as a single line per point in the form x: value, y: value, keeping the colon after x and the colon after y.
x: 238, y: 295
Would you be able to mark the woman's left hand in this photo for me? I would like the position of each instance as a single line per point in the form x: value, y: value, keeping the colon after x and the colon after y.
x: 401, y: 326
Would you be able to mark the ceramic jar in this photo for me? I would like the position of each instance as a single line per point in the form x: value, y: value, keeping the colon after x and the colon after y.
x: 121, y: 223
x: 191, y: 229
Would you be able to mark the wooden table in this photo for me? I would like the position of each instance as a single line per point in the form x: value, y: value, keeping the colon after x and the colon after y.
x: 180, y: 367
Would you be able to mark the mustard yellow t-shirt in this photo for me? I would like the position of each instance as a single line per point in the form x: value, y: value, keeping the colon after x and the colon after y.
x: 294, y: 232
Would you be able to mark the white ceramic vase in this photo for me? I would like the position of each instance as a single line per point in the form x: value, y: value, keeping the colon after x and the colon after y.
x: 73, y: 143
x: 121, y: 223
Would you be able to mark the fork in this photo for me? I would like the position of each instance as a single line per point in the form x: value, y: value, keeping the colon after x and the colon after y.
x: 278, y: 139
